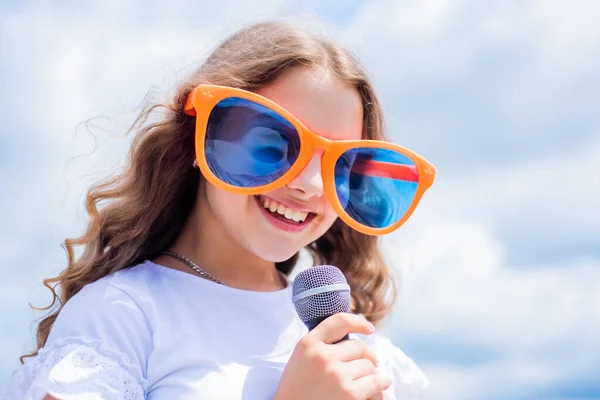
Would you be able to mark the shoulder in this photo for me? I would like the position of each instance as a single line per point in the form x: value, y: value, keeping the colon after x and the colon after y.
x: 107, y: 317
x: 98, y: 346
x: 128, y: 293
x: 117, y: 300
x: 409, y: 379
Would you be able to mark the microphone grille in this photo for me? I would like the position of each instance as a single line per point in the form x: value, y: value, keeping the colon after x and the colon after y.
x: 321, y: 304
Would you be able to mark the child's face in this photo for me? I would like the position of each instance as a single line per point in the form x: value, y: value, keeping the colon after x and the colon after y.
x: 329, y: 108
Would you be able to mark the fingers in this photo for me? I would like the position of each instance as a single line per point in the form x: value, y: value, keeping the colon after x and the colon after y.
x: 357, y: 369
x: 349, y: 350
x: 339, y: 325
x: 371, y: 386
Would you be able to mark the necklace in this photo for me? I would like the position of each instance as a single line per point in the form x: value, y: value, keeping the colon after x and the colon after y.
x: 193, y: 266
x: 202, y: 272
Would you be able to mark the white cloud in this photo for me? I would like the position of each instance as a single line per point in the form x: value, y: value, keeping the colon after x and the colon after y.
x: 488, y: 324
x: 474, y: 84
x: 543, y: 205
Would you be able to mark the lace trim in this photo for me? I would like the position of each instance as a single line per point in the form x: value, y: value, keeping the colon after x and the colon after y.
x: 62, y: 368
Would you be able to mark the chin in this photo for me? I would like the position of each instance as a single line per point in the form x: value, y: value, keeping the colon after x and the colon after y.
x: 279, y: 248
x: 271, y: 253
x: 278, y: 256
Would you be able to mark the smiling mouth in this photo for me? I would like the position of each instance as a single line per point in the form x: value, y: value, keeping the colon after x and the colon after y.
x: 283, y: 213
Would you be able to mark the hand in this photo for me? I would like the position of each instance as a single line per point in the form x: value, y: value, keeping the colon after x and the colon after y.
x: 319, y: 369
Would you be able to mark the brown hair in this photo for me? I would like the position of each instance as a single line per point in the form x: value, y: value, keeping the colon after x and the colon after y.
x: 144, y: 207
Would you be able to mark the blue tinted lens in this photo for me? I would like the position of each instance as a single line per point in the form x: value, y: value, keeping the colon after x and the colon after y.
x: 375, y: 186
x: 249, y: 145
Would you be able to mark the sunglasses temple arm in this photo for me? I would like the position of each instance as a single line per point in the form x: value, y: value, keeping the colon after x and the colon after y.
x: 384, y: 169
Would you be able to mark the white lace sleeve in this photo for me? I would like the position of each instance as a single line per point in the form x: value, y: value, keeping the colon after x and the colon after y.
x: 408, y: 379
x: 76, y: 369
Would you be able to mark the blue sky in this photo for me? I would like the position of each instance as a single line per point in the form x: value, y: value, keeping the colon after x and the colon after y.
x: 500, y: 264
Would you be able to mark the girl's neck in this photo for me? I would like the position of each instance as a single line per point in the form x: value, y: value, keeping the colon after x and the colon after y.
x: 206, y: 244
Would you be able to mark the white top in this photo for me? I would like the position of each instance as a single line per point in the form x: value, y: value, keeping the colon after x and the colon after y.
x: 151, y: 332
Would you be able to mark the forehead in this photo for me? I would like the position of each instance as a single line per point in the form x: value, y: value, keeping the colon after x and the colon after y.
x: 326, y: 105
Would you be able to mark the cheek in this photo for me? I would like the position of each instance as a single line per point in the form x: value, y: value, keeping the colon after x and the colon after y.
x: 226, y: 206
x: 330, y: 215
x: 328, y: 218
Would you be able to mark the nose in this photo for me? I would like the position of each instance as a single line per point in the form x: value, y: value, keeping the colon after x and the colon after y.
x: 310, y: 181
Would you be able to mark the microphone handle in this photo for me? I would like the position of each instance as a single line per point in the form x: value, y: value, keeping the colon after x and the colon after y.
x: 312, y: 324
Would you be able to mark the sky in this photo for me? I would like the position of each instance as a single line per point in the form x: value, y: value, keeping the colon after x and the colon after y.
x: 499, y: 266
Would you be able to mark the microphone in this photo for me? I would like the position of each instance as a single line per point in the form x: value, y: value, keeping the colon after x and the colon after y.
x: 320, y: 292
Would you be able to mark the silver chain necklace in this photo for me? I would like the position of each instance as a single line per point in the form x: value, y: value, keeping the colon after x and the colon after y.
x: 193, y: 266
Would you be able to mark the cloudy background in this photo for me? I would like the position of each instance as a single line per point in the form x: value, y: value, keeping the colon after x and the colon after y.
x: 500, y: 264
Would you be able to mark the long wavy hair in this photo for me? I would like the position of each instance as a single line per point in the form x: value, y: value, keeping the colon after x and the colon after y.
x: 145, y: 206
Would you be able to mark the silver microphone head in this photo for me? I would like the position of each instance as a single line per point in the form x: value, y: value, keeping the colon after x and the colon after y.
x: 320, y: 291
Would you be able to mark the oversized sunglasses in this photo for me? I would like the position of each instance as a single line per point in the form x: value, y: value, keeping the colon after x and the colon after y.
x: 248, y: 144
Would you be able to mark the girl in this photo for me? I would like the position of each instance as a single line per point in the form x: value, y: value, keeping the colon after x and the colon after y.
x: 182, y: 290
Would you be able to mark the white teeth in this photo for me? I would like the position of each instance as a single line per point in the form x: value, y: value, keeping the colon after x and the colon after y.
x: 299, y: 216
x: 273, y: 206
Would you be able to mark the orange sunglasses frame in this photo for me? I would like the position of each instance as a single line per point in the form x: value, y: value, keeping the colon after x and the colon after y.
x: 202, y: 100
